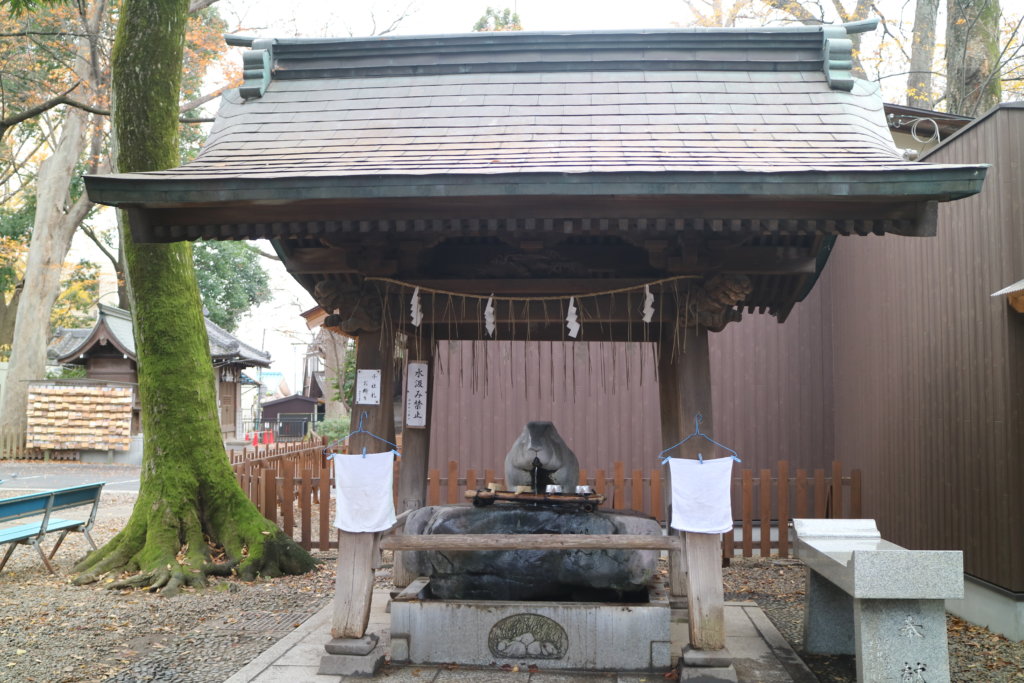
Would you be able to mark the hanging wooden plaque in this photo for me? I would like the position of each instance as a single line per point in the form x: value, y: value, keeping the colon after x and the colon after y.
x: 368, y: 387
x: 416, y: 394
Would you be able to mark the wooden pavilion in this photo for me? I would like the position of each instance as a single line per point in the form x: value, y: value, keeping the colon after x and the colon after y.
x: 429, y: 186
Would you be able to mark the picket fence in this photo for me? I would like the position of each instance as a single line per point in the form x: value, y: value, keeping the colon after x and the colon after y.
x: 292, y: 486
x: 12, y: 444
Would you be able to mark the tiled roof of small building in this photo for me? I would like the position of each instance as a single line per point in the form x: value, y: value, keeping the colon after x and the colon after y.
x: 114, y: 325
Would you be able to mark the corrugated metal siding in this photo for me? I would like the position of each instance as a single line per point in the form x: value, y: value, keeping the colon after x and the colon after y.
x: 772, y: 385
x: 924, y: 402
x: 602, y: 397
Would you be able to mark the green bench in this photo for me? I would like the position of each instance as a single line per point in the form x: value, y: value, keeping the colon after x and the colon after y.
x: 43, y: 505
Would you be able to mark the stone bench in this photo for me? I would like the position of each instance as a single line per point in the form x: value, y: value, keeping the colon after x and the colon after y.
x: 876, y: 600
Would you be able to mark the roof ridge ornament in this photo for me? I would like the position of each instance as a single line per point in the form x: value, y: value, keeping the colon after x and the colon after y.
x: 257, y: 63
x: 837, y: 51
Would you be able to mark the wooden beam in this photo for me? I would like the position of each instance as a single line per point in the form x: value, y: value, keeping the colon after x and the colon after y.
x: 412, y: 475
x: 353, y: 587
x: 381, y: 263
x: 354, y: 582
x: 685, y: 369
x: 533, y: 213
x: 529, y: 542
x: 528, y: 286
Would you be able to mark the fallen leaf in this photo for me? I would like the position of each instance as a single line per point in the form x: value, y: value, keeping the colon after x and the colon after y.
x: 20, y: 652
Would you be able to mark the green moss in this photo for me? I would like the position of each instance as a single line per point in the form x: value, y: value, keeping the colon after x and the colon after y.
x: 188, y: 493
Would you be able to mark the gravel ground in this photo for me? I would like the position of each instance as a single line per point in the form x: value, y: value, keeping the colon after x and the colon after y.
x: 54, y: 632
x: 777, y: 586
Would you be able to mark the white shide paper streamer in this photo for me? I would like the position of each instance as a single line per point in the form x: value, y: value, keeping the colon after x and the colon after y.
x: 571, y: 319
x: 415, y: 310
x: 489, y: 317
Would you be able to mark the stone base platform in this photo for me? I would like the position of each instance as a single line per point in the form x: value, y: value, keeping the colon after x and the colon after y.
x: 588, y: 636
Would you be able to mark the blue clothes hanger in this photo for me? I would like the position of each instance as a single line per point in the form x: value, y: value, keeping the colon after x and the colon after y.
x: 698, y: 418
x: 360, y: 430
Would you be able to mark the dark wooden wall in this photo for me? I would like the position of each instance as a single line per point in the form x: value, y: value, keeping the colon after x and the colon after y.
x: 602, y: 397
x: 772, y: 385
x: 110, y: 366
x: 928, y: 367
x: 769, y: 405
x: 292, y: 404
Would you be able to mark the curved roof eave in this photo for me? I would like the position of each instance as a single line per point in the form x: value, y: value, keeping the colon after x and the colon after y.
x: 99, y: 332
x: 929, y: 182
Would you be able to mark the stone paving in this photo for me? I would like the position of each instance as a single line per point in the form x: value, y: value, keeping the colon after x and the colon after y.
x: 759, y: 653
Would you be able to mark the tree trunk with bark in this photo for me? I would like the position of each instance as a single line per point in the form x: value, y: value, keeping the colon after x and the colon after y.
x: 334, y: 348
x: 54, y: 225
x: 8, y: 313
x: 922, y: 54
x: 973, y: 83
x: 56, y: 219
x: 189, y: 507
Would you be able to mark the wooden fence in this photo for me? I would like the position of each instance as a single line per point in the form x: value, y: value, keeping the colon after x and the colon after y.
x: 12, y: 445
x: 763, y: 505
x: 292, y: 486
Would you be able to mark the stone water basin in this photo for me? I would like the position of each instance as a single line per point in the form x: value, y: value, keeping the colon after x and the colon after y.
x: 594, y: 610
x: 577, y: 575
x: 590, y: 636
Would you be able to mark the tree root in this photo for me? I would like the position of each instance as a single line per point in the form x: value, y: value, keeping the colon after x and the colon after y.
x: 165, y: 547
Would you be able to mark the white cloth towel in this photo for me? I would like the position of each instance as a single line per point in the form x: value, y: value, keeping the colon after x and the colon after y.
x: 365, y: 501
x: 701, y: 495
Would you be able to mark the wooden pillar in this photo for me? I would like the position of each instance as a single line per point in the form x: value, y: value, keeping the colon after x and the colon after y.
x: 685, y: 390
x: 354, y: 584
x: 412, y: 475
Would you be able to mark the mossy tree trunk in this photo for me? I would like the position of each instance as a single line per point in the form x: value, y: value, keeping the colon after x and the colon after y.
x: 190, y: 507
x: 973, y: 71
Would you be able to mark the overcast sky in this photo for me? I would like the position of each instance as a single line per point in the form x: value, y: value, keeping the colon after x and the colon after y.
x: 273, y: 18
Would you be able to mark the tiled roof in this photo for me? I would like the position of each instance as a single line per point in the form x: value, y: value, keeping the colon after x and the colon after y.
x: 70, y: 417
x: 544, y: 122
x: 65, y: 340
x: 115, y: 325
x: 223, y: 345
x: 709, y: 101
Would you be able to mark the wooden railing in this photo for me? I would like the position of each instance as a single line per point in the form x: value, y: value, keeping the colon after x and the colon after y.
x: 763, y: 505
x: 12, y: 444
x: 291, y: 485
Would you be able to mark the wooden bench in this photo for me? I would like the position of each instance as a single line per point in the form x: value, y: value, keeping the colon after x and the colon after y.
x: 876, y: 600
x: 43, y: 505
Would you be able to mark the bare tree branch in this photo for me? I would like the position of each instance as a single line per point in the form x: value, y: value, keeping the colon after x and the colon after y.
x: 795, y: 10
x: 14, y: 119
x: 399, y: 18
x: 200, y: 101
x: 86, y: 107
x: 26, y: 34
x: 197, y: 5
x: 77, y: 212
x: 91, y: 234
x: 257, y: 250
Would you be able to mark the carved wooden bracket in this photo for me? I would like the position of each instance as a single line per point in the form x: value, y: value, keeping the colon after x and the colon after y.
x: 353, y: 308
x: 713, y: 304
